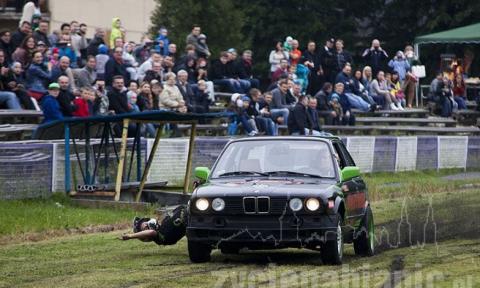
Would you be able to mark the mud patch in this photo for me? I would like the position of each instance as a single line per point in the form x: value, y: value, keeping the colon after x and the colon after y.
x: 45, y: 235
x: 397, y: 274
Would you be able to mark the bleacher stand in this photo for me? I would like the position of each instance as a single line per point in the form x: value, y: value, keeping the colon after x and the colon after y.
x: 370, y: 102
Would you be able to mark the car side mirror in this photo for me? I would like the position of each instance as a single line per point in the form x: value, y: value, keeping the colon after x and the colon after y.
x: 202, y: 173
x: 349, y: 172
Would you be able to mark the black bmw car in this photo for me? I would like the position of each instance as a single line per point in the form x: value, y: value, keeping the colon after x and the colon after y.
x: 280, y: 192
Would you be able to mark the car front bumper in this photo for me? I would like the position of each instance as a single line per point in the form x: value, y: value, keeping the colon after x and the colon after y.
x: 262, y: 230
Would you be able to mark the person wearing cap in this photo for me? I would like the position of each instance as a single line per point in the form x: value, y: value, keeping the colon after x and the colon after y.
x: 202, y: 48
x: 327, y: 60
x: 41, y: 32
x: 54, y: 57
x: 50, y: 106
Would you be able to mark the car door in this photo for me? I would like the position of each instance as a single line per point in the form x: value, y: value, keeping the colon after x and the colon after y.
x: 355, y: 189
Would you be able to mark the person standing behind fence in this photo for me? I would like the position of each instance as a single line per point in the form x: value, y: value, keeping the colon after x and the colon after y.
x: 50, y: 106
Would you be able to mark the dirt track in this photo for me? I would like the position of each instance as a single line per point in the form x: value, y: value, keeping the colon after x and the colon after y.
x: 421, y: 221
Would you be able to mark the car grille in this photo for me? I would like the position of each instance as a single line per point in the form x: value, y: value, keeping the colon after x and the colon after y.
x: 263, y: 204
x: 246, y: 205
x: 249, y: 205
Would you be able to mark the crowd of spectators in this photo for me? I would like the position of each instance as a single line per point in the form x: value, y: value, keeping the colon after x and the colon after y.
x: 108, y: 75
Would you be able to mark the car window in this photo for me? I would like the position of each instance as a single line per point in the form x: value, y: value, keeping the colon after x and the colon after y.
x: 348, y: 159
x: 309, y: 157
x: 345, y: 158
x: 339, y: 155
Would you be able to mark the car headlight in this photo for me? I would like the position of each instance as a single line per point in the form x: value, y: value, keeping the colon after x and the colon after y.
x: 295, y: 204
x: 218, y: 204
x: 202, y: 204
x: 312, y: 204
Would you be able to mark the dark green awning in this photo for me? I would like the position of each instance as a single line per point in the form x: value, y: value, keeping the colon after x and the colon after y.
x: 466, y: 34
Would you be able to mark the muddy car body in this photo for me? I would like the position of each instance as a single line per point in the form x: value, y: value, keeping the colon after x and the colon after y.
x: 280, y: 192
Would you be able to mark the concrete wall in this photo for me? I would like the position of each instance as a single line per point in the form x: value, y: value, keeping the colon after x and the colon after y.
x: 36, y: 169
x: 135, y: 14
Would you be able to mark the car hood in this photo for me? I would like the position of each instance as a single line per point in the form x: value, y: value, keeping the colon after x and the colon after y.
x: 289, y: 187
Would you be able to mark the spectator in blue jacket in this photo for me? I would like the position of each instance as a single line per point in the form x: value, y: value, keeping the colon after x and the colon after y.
x: 50, y: 106
x: 162, y: 42
x: 38, y: 74
x: 65, y: 49
x: 400, y: 64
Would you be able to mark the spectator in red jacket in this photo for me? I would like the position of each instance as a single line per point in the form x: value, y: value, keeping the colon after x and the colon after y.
x: 84, y: 103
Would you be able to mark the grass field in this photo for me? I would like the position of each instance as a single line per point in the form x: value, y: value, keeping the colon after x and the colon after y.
x: 57, y: 212
x: 443, y: 217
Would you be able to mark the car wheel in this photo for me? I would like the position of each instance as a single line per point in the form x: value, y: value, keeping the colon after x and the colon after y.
x: 199, y: 252
x: 364, y: 240
x: 332, y: 250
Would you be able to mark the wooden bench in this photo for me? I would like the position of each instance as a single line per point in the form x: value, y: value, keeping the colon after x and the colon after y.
x: 406, y: 121
x: 16, y: 131
x: 467, y: 117
x: 413, y: 113
x: 223, y: 96
x: 400, y: 130
x: 393, y: 130
x: 217, y: 108
x: 20, y: 116
x: 205, y: 129
x: 221, y: 130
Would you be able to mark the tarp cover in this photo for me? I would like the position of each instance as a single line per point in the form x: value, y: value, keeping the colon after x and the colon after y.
x: 466, y: 34
x: 55, y: 129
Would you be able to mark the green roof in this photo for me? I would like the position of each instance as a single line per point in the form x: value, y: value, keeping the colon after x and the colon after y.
x: 466, y: 34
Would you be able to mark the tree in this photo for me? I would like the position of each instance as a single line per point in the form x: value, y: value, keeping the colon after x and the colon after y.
x: 220, y: 21
x: 258, y: 24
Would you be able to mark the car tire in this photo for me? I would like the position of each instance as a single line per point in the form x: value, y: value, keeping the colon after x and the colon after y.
x: 364, y: 238
x: 199, y: 252
x: 332, y: 250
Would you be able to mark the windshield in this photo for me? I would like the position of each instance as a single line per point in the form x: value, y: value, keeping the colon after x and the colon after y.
x: 276, y: 158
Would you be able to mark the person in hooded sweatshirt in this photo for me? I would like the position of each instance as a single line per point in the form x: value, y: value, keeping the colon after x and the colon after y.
x: 116, y: 31
x: 162, y: 42
x: 101, y: 59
